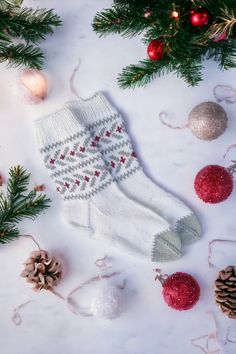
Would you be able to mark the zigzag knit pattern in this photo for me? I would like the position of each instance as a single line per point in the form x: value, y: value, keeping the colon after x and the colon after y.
x: 76, y: 166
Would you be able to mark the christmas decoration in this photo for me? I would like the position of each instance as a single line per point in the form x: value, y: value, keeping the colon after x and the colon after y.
x: 84, y: 181
x: 199, y: 18
x: 42, y: 270
x: 17, y: 204
x: 33, y: 85
x: 207, y: 121
x: 147, y: 13
x: 214, y: 184
x: 225, y: 291
x: 29, y: 27
x: 180, y: 290
x: 188, y: 29
x: 155, y: 50
x: 108, y: 302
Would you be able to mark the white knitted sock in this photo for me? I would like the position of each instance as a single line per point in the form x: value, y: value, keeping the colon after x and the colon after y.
x: 109, y: 134
x: 93, y: 199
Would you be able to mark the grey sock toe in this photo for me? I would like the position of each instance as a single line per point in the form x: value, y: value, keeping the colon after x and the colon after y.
x: 166, y: 247
x: 189, y: 229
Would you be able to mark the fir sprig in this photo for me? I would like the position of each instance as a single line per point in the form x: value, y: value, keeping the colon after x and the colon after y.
x: 29, y: 27
x: 185, y: 46
x: 19, y: 204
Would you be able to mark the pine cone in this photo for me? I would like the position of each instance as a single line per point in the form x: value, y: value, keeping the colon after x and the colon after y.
x: 42, y: 270
x: 225, y: 291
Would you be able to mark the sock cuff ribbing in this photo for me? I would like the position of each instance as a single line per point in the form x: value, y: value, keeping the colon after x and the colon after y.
x: 93, y: 111
x: 57, y: 128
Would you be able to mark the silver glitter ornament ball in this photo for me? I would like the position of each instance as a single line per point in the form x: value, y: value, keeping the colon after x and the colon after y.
x: 208, y: 121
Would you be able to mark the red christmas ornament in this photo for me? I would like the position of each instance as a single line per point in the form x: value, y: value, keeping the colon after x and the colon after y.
x: 155, y: 49
x: 214, y: 184
x: 199, y: 18
x: 180, y: 290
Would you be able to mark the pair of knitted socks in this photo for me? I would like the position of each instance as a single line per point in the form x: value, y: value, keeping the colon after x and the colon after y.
x: 91, y: 159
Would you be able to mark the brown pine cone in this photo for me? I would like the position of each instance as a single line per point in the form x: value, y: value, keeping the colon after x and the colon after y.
x: 42, y: 270
x: 225, y: 291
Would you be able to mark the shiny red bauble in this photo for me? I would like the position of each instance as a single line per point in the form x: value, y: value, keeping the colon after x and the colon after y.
x: 181, y: 291
x: 213, y: 184
x: 199, y: 18
x: 155, y: 49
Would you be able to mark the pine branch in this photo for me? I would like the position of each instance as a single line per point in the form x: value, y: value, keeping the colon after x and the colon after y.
x: 140, y: 75
x: 21, y: 54
x: 29, y: 24
x: 225, y: 23
x: 18, y: 204
x: 120, y: 21
x: 185, y: 46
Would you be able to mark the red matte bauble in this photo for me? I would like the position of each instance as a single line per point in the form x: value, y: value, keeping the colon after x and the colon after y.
x: 181, y: 291
x: 199, y: 18
x: 213, y: 184
x: 155, y: 49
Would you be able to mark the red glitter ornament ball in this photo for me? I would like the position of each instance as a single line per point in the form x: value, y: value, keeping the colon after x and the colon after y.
x: 181, y: 291
x: 199, y: 18
x: 213, y: 184
x: 155, y: 49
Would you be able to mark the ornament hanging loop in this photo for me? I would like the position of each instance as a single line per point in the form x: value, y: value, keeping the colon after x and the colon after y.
x: 164, y: 115
x: 160, y: 276
x: 225, y: 93
x: 232, y: 168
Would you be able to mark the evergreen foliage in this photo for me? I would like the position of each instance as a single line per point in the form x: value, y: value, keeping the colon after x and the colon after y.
x: 18, y: 204
x: 186, y: 46
x: 21, y: 29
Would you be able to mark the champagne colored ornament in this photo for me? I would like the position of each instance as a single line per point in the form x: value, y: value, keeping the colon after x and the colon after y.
x: 207, y: 121
x: 34, y: 84
x: 225, y: 291
x: 180, y: 290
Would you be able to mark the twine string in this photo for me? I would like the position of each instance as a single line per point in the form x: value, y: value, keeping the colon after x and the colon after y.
x: 160, y: 276
x: 33, y: 239
x: 225, y: 93
x: 208, y: 339
x: 211, y: 243
x: 164, y: 115
x: 72, y: 79
x: 16, y: 317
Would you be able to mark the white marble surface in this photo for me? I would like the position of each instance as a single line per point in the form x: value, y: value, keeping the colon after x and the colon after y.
x: 171, y: 158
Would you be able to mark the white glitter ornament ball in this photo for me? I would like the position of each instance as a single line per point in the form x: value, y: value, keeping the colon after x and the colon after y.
x: 208, y: 121
x: 108, y: 302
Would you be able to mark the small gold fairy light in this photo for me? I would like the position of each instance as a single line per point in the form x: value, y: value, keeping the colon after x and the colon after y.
x: 175, y: 14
